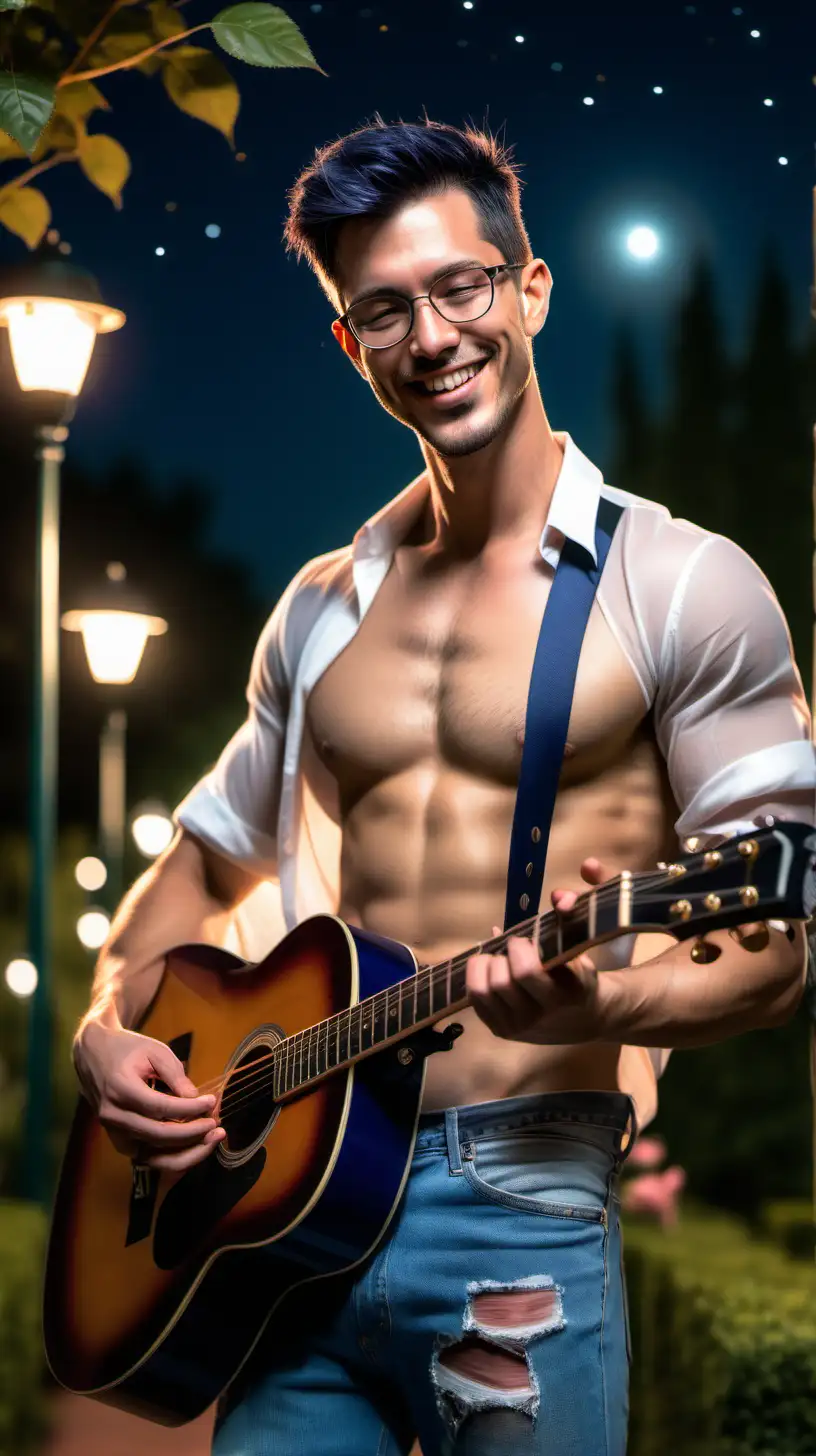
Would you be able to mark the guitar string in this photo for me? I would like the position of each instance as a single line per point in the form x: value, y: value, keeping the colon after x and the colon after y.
x: 605, y: 894
x: 311, y: 1036
x: 303, y: 1053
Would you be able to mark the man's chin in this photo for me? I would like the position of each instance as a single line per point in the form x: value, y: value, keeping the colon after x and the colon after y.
x: 463, y: 437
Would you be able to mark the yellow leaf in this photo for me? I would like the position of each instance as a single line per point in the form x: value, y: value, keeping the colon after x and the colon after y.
x: 202, y: 87
x: 106, y: 164
x: 9, y: 148
x: 166, y: 19
x: 25, y: 212
x: 78, y: 99
x: 59, y: 135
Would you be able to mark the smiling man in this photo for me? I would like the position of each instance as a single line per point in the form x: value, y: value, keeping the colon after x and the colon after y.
x: 377, y: 775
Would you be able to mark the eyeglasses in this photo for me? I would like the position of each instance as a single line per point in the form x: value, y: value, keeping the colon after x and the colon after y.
x: 460, y: 296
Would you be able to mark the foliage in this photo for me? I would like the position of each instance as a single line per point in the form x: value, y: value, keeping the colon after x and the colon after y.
x: 53, y: 51
x: 723, y: 1340
x: 731, y: 449
x: 22, y: 1248
x: 789, y: 1223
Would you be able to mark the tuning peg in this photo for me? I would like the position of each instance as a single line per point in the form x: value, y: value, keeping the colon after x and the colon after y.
x: 703, y: 952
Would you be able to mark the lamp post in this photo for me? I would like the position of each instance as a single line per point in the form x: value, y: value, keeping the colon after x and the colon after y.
x: 53, y: 312
x: 115, y: 629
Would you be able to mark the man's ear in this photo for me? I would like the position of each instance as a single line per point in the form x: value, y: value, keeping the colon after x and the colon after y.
x: 348, y: 344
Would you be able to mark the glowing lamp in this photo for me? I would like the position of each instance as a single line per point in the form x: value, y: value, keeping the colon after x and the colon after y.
x: 114, y: 641
x: 21, y: 977
x: 53, y: 312
x: 152, y: 828
x: 92, y: 929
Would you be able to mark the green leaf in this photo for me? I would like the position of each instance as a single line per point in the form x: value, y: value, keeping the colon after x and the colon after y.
x: 106, y: 164
x: 78, y: 99
x: 262, y: 35
x: 202, y: 86
x: 13, y: 4
x: 26, y: 104
x: 24, y: 211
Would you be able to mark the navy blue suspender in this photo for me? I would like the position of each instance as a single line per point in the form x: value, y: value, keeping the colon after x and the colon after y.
x: 552, y: 685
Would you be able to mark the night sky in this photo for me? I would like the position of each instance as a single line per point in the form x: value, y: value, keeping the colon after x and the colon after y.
x: 226, y: 369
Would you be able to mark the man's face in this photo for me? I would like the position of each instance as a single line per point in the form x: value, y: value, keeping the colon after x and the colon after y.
x: 405, y: 253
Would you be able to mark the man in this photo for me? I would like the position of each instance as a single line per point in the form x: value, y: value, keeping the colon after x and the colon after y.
x: 376, y: 776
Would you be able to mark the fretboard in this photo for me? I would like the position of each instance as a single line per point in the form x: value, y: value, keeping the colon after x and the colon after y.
x: 437, y: 991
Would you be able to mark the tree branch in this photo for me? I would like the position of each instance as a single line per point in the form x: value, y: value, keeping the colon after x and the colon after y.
x: 65, y: 79
x: 23, y: 177
x: 93, y: 37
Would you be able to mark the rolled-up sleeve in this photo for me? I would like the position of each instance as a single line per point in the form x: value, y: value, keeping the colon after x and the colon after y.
x: 730, y: 712
x: 234, y: 808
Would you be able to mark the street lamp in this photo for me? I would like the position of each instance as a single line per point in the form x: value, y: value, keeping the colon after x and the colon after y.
x: 53, y: 312
x: 115, y: 629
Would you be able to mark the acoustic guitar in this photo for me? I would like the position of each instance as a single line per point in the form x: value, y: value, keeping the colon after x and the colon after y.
x: 159, y: 1285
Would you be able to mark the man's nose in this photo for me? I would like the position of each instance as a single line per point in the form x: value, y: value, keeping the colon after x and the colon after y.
x: 431, y: 333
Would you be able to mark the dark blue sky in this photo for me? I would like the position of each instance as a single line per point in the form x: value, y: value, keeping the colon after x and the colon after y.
x: 226, y: 369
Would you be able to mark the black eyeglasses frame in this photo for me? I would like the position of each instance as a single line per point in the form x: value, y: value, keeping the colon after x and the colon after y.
x: 491, y: 270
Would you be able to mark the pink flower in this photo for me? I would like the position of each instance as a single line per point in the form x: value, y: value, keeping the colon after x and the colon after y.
x: 655, y: 1194
x: 648, y: 1152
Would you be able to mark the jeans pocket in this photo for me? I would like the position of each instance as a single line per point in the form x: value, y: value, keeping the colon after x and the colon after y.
x: 540, y: 1172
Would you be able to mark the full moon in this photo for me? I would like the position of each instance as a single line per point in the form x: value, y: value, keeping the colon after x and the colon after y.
x: 642, y: 243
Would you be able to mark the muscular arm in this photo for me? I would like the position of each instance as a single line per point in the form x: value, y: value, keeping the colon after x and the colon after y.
x: 186, y: 896
x: 672, y: 1001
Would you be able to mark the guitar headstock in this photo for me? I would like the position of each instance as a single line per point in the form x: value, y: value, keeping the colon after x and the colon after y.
x: 769, y: 874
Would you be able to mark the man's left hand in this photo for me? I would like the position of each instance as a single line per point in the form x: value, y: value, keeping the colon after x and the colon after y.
x: 521, y: 1001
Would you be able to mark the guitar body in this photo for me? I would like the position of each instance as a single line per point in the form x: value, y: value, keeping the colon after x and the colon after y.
x: 159, y: 1285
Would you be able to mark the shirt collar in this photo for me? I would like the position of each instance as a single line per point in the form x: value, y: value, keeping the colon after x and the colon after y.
x: 572, y: 513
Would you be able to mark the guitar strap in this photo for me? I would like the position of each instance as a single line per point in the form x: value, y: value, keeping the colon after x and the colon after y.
x: 549, y: 701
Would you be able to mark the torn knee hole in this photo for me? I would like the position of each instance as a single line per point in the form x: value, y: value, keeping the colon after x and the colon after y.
x: 475, y: 1358
x: 512, y: 1308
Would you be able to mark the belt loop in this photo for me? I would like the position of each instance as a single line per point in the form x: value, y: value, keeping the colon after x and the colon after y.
x: 452, y: 1139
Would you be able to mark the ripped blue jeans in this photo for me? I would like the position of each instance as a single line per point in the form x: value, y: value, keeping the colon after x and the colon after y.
x: 491, y: 1320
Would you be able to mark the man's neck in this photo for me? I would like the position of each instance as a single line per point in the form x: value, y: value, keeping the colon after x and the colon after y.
x: 496, y: 497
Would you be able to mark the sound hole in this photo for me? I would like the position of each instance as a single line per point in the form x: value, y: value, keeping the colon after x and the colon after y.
x: 248, y: 1106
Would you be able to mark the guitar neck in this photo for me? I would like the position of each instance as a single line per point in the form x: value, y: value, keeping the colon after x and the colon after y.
x: 438, y: 990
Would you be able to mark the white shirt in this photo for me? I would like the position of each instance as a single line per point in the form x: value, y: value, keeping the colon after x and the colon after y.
x: 695, y: 617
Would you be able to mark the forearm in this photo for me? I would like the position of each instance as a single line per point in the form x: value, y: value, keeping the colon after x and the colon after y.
x: 174, y: 903
x: 673, y: 1001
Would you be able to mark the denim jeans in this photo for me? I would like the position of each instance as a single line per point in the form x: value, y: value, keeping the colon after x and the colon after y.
x: 491, y: 1319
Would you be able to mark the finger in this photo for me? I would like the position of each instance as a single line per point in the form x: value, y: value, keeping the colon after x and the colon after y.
x: 171, y: 1070
x: 149, y: 1130
x: 563, y: 900
x: 130, y: 1091
x: 594, y: 872
x: 180, y: 1161
x: 477, y: 975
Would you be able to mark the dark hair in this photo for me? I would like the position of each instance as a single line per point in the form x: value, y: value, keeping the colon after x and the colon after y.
x: 373, y: 171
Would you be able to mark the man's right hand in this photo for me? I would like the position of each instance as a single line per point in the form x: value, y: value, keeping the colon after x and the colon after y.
x: 172, y: 1131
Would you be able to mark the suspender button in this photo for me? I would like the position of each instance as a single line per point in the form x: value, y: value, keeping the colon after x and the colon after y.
x: 524, y: 901
x: 529, y: 869
x: 536, y: 835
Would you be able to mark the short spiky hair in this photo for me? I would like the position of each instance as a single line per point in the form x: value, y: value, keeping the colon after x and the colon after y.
x: 373, y: 171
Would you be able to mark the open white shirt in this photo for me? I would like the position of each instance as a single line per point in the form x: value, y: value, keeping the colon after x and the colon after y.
x: 696, y: 618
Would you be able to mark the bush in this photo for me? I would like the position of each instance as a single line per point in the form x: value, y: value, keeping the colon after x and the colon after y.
x: 724, y: 1342
x: 788, y: 1222
x: 22, y: 1363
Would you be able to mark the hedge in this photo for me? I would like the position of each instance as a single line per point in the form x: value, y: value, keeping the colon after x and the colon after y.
x: 22, y: 1249
x: 788, y: 1222
x: 724, y: 1342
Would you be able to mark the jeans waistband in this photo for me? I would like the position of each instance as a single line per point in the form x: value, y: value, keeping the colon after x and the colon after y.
x: 609, y: 1111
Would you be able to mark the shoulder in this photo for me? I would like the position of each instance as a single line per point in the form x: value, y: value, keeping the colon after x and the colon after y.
x: 320, y: 585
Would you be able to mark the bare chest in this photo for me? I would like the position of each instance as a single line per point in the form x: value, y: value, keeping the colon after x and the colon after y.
x: 439, y: 673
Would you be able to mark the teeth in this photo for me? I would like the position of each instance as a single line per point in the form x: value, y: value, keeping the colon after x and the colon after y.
x: 451, y: 381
